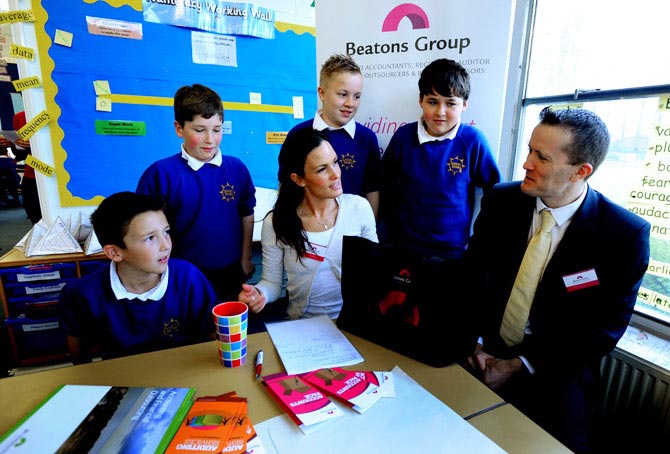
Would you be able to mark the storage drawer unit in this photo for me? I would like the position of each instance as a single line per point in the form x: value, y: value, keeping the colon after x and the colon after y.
x: 30, y: 292
x: 35, y: 288
x: 38, y: 338
x: 33, y: 273
x: 31, y: 305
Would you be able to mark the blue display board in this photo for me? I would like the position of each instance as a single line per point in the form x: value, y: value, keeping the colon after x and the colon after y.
x: 143, y: 75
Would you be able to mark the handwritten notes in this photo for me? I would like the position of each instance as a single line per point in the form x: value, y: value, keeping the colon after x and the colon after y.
x: 312, y: 343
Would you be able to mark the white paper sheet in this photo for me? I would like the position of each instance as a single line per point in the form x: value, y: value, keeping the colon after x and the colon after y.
x: 312, y: 343
x: 413, y: 421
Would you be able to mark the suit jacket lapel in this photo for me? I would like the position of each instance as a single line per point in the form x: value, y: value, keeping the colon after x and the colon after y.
x: 579, y: 232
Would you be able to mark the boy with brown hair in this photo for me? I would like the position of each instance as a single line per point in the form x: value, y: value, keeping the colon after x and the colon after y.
x: 209, y: 197
x: 139, y: 303
x: 432, y: 168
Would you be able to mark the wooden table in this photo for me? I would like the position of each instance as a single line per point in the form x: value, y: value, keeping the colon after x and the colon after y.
x: 197, y: 366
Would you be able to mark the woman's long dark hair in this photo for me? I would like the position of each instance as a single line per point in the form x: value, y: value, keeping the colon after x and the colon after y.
x: 292, y: 156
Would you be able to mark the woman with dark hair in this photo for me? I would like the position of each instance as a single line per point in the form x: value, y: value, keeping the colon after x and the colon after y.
x: 302, y: 235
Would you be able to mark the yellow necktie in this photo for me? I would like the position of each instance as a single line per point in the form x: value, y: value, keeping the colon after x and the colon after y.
x: 534, y: 260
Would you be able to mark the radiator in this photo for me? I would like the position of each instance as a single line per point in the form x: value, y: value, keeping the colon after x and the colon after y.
x: 636, y: 400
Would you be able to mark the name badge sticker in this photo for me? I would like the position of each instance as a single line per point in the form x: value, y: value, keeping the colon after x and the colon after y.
x: 581, y: 280
x: 315, y: 251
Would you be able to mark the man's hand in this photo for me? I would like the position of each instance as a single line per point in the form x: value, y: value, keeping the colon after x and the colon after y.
x: 492, y: 371
x: 499, y: 371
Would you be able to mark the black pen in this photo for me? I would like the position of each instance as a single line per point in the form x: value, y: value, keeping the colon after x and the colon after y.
x: 259, y: 363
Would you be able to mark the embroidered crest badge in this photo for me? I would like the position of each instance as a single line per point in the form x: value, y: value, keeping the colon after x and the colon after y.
x: 171, y: 327
x: 227, y: 192
x: 456, y: 165
x: 347, y: 161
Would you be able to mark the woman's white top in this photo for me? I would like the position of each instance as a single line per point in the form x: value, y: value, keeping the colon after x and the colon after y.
x: 322, y: 262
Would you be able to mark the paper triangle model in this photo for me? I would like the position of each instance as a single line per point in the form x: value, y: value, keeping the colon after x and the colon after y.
x: 83, y: 228
x: 33, y: 237
x: 68, y: 223
x: 57, y: 240
x: 73, y: 225
x: 21, y: 245
x: 92, y: 245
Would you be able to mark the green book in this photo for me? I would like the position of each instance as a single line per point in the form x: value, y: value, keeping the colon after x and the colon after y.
x: 101, y: 419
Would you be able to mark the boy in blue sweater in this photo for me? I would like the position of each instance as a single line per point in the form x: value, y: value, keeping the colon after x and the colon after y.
x: 340, y: 90
x: 432, y: 167
x: 209, y: 197
x: 139, y: 303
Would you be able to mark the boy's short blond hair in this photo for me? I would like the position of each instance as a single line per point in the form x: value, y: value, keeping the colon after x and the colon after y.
x: 336, y: 64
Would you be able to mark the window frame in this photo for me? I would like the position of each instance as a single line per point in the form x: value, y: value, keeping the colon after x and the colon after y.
x: 515, y: 109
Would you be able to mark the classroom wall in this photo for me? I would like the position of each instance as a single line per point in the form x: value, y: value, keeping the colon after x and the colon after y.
x: 270, y: 88
x: 94, y: 166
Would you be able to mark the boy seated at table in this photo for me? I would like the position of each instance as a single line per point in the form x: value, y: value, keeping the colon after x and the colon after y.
x: 139, y: 303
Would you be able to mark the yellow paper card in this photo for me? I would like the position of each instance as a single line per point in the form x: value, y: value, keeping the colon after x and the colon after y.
x: 26, y: 82
x: 63, y: 38
x: 255, y: 98
x: 9, y: 17
x: 103, y: 104
x: 17, y: 51
x: 298, y: 107
x: 101, y: 87
x: 40, y: 166
x: 40, y: 120
x: 275, y: 137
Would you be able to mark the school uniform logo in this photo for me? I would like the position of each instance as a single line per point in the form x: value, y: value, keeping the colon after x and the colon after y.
x: 227, y: 192
x: 347, y: 161
x: 170, y: 328
x: 456, y: 165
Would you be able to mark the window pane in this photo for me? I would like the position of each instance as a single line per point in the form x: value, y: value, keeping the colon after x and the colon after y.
x: 597, y: 44
x: 636, y: 174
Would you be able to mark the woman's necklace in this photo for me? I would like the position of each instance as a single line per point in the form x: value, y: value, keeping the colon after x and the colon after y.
x: 325, y: 226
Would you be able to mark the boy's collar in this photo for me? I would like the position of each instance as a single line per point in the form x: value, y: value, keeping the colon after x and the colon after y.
x: 424, y: 137
x: 120, y: 291
x: 319, y: 124
x: 195, y: 164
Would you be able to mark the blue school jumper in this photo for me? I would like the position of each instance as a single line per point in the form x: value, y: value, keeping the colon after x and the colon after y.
x: 204, y: 207
x: 91, y: 312
x: 428, y: 192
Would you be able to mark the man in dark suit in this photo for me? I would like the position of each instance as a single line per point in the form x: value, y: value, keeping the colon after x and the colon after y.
x: 585, y: 296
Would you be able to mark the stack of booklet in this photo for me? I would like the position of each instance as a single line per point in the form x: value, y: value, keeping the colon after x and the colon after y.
x: 101, y: 419
x: 216, y: 424
x: 306, y: 398
x: 138, y: 420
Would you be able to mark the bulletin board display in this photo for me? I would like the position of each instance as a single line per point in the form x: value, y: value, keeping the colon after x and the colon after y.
x: 269, y: 90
